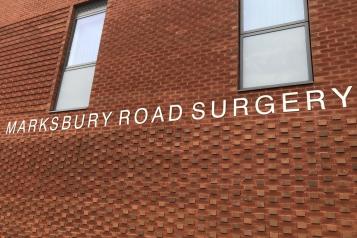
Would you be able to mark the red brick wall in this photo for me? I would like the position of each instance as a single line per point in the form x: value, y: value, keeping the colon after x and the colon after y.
x: 282, y: 175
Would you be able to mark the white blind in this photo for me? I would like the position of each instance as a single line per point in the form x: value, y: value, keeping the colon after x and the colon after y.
x: 259, y: 14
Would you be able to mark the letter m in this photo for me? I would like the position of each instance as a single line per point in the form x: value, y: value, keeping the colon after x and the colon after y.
x: 11, y: 127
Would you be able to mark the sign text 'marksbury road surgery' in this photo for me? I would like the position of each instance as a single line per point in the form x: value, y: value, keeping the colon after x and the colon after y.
x: 263, y: 105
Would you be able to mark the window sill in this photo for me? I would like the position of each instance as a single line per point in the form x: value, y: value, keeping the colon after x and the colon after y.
x: 276, y: 86
x: 69, y: 110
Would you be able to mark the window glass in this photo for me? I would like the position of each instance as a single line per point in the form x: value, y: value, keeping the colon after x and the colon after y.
x: 74, y: 92
x: 275, y: 58
x: 75, y: 88
x: 259, y: 14
x: 86, y: 40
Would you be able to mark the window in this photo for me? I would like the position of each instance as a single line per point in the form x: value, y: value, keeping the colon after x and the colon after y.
x: 77, y: 78
x: 275, y: 44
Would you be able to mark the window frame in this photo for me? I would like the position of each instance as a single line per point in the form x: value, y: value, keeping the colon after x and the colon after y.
x: 80, y: 12
x: 275, y: 28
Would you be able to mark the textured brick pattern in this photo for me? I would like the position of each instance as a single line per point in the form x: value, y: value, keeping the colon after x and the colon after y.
x: 203, y: 181
x: 19, y: 10
x: 283, y: 175
x: 29, y: 53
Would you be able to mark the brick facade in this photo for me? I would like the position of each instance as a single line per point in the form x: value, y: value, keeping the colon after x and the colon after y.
x: 281, y: 175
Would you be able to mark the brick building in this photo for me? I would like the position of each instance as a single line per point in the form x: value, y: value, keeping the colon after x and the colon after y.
x: 168, y: 118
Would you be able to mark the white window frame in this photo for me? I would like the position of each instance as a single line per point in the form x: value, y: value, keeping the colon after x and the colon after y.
x: 280, y: 27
